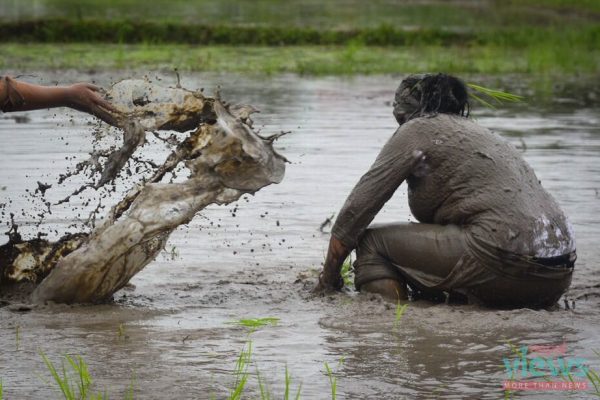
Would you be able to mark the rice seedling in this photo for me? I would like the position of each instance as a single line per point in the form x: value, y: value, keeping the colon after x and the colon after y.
x: 497, y: 96
x: 265, y: 393
x: 594, y: 379
x: 241, y: 372
x: 288, y: 384
x: 255, y: 323
x: 347, y: 272
x: 1, y: 390
x: 72, y: 387
x: 130, y: 389
x: 400, y: 309
x: 333, y: 378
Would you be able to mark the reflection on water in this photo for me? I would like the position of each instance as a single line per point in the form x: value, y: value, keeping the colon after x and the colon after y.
x: 243, y: 260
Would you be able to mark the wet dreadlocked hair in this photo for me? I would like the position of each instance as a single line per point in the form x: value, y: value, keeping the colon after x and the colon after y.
x: 433, y: 94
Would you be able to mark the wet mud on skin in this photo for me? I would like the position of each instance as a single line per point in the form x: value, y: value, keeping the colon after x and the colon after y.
x: 253, y: 258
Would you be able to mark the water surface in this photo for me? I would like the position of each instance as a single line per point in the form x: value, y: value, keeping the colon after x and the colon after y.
x: 173, y: 331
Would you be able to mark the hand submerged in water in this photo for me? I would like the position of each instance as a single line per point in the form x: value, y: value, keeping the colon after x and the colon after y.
x: 325, y: 287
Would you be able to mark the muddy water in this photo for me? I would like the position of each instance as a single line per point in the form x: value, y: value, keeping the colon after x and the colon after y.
x: 173, y: 330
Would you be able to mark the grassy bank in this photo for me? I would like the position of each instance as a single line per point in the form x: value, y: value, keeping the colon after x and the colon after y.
x: 311, y: 60
x: 151, y: 32
x: 304, y: 36
x: 330, y: 14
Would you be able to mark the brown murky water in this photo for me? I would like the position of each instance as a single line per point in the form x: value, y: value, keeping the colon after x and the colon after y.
x: 254, y: 259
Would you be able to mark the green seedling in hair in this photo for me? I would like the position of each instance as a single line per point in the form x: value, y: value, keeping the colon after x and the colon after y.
x: 497, y: 96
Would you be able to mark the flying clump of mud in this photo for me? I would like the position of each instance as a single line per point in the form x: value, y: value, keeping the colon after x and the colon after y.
x: 225, y: 159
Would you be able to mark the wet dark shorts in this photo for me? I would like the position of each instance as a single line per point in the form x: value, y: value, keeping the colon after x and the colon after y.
x: 433, y: 259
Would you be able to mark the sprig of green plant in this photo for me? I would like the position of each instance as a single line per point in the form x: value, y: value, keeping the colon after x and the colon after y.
x: 265, y: 394
x: 400, y: 309
x: 72, y: 389
x: 594, y: 379
x: 288, y: 384
x: 333, y: 378
x: 494, y: 95
x: 130, y: 391
x: 241, y: 372
x: 1, y: 390
x: 347, y: 272
x: 255, y: 323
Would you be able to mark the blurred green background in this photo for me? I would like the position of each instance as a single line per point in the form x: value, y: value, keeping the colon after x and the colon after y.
x: 304, y: 36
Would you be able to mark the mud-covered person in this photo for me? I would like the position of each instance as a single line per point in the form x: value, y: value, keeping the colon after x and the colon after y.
x: 17, y: 95
x: 488, y: 230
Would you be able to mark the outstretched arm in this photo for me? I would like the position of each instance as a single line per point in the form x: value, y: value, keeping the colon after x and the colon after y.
x: 21, y: 96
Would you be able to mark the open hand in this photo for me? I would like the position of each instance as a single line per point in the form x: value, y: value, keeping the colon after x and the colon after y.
x: 85, y: 97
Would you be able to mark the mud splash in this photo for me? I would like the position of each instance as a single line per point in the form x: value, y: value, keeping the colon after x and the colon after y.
x: 225, y: 159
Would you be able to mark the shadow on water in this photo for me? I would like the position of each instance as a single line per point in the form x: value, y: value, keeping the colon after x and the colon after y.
x: 253, y: 259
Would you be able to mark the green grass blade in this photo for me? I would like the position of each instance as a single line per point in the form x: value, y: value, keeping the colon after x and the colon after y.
x: 497, y: 96
x: 85, y: 380
x: 241, y: 372
x: 130, y: 390
x: 288, y: 380
x: 400, y: 309
x: 262, y: 385
x: 332, y: 381
x: 482, y: 101
x: 594, y: 380
x: 63, y: 383
x: 347, y: 272
x: 299, y: 391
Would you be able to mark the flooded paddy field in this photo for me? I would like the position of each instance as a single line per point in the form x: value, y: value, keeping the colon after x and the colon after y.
x: 174, y: 332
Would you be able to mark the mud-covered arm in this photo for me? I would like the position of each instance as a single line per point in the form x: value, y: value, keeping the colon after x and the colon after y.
x: 21, y: 96
x: 393, y: 165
